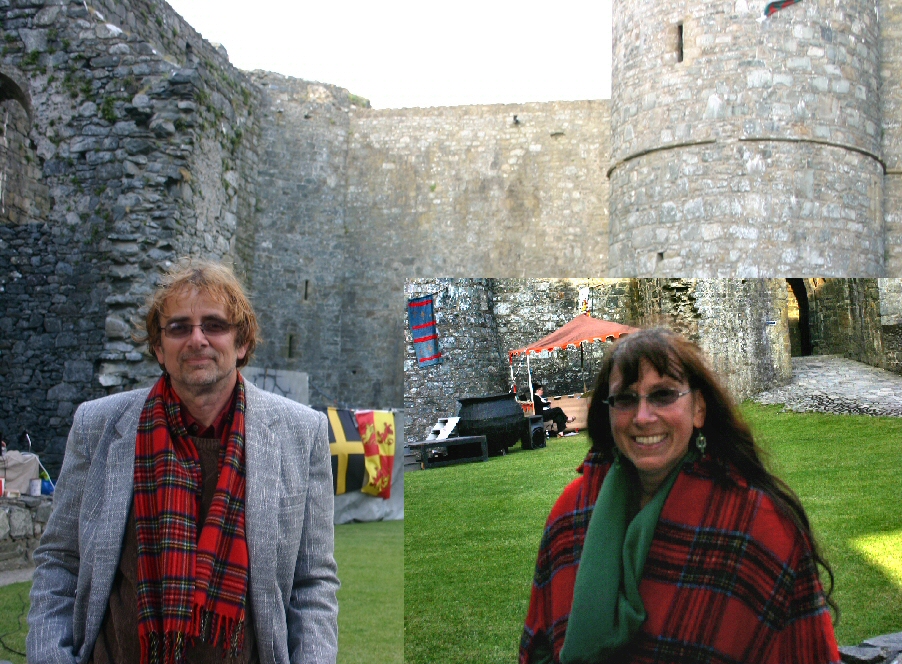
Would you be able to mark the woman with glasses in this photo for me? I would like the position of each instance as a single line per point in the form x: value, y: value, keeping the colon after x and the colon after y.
x: 675, y: 544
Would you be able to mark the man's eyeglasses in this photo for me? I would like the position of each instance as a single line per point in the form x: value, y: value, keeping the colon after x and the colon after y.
x: 656, y: 399
x: 210, y: 328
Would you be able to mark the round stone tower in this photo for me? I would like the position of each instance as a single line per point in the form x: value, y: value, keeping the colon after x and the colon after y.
x: 744, y: 145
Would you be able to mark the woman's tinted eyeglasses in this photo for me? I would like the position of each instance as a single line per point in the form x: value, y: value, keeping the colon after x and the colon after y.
x: 210, y: 328
x: 656, y: 398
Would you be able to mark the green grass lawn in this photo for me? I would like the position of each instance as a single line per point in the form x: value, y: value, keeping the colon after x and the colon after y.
x: 13, y: 621
x: 371, y: 600
x: 370, y: 560
x: 473, y: 531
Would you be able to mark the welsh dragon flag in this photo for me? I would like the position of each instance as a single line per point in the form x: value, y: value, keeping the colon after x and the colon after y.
x: 377, y: 431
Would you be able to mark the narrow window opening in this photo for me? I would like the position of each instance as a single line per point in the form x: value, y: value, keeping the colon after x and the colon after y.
x: 679, y: 42
x: 291, y: 347
x: 306, y: 289
x: 660, y: 257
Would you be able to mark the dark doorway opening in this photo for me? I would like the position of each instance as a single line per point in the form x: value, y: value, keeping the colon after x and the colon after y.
x: 803, y: 326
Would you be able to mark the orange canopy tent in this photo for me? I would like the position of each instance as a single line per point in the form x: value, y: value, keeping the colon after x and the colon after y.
x: 581, y: 329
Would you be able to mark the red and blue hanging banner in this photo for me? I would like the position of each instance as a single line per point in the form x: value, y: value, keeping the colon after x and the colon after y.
x: 777, y: 5
x: 421, y: 314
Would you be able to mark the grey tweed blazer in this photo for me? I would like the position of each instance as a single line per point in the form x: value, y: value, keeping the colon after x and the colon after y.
x: 288, y: 517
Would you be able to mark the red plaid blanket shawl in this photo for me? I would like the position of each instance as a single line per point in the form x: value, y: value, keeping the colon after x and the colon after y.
x: 728, y: 578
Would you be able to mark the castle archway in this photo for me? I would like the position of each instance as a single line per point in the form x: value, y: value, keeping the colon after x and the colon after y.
x: 799, y: 318
x: 11, y: 90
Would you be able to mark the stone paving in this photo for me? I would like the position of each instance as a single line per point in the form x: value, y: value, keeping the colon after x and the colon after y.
x: 834, y: 384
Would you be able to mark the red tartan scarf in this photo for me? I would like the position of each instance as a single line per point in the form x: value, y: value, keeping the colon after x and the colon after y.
x: 190, y: 584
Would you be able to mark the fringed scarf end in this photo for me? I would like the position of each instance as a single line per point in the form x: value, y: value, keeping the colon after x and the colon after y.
x: 168, y: 649
x: 217, y: 629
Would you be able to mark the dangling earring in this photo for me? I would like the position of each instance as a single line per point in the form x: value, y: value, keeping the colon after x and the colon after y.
x: 701, y: 443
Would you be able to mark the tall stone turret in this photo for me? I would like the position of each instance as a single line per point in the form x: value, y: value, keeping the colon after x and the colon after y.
x: 742, y: 145
x: 891, y: 107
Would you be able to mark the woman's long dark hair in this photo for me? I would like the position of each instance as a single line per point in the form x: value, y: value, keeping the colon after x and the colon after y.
x: 730, y: 441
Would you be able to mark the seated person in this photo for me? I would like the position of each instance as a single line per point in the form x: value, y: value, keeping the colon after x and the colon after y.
x: 543, y: 408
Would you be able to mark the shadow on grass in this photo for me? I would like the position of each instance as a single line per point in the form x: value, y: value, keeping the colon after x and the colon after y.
x: 868, y: 598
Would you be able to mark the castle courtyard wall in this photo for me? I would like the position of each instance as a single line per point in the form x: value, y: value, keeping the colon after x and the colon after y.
x: 495, y: 191
x: 741, y: 324
x: 142, y: 157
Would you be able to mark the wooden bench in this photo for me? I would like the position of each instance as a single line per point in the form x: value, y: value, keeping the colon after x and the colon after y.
x: 576, y: 407
x: 449, y: 451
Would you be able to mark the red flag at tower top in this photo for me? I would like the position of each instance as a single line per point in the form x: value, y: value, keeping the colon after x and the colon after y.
x: 777, y: 5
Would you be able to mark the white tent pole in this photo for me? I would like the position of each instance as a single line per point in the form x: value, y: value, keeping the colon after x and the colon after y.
x: 529, y: 373
x: 510, y: 361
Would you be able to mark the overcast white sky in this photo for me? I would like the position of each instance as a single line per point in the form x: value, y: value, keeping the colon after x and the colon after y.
x: 404, y: 53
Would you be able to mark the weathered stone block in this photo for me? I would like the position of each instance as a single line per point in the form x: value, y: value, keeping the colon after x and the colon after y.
x: 4, y: 524
x: 889, y: 641
x: 19, y: 522
x: 861, y: 655
x: 62, y: 392
x: 34, y: 40
x: 78, y: 371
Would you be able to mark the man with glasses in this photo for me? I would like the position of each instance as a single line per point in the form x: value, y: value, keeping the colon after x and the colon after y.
x: 192, y: 521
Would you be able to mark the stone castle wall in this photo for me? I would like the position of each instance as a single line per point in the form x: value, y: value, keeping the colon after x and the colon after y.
x: 473, y: 361
x: 478, y: 321
x: 298, y: 278
x: 741, y: 324
x: 891, y: 115
x: 495, y: 191
x: 847, y: 317
x: 142, y: 156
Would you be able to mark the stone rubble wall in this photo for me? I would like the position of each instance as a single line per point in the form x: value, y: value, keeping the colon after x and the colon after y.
x: 143, y: 157
x: 23, y: 198
x: 741, y: 324
x: 845, y: 319
x: 473, y: 362
x: 480, y: 320
x: 891, y: 323
x: 22, y: 522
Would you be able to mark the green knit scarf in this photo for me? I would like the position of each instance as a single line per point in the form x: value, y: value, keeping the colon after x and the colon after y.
x: 607, y: 610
